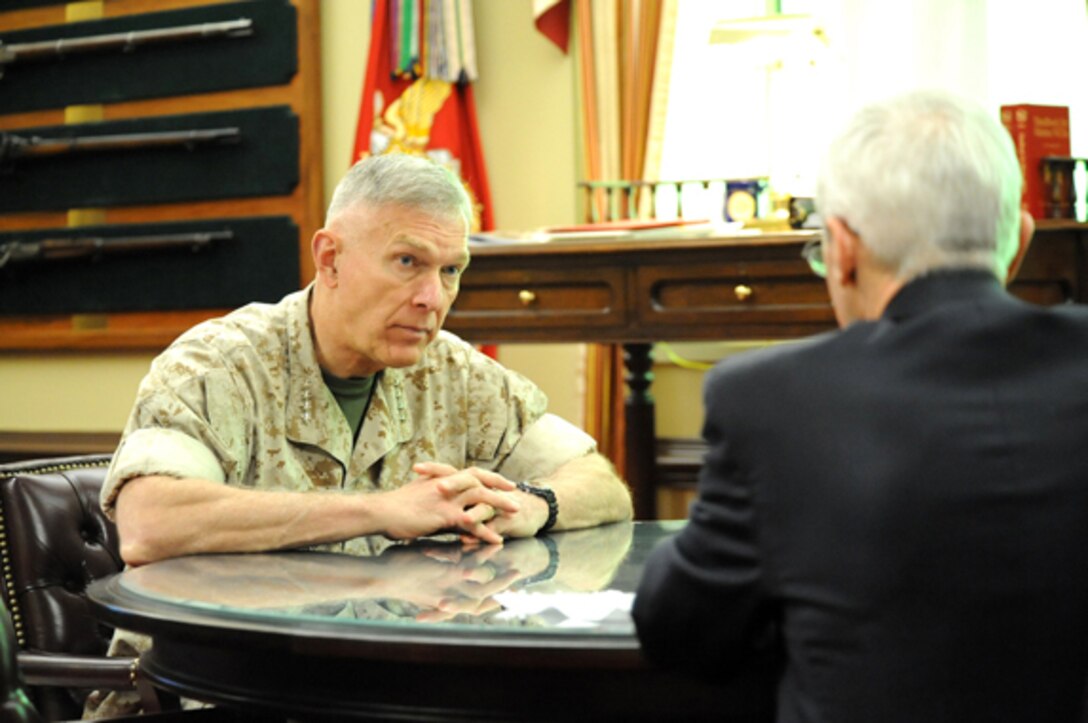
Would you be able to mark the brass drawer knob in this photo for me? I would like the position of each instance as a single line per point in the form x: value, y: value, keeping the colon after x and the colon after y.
x: 526, y: 297
x: 743, y: 292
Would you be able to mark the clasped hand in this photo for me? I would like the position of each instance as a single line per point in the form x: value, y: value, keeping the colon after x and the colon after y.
x: 481, y: 505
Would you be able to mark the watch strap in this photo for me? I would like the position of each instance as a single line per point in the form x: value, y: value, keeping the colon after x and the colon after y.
x: 549, y: 497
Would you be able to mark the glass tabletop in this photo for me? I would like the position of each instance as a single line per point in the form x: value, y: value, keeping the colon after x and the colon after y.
x: 579, y: 582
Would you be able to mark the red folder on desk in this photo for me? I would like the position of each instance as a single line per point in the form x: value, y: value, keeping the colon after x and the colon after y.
x: 631, y: 224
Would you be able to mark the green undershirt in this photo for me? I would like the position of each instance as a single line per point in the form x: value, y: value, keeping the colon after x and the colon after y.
x: 353, y: 396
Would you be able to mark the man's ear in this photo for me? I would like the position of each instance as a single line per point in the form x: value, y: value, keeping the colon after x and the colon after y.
x: 326, y: 250
x: 1027, y: 230
x: 843, y: 261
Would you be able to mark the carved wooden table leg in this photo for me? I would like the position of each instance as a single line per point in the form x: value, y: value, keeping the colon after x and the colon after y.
x: 641, y: 434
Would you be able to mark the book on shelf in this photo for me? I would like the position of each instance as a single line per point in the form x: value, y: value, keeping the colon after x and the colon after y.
x: 1038, y: 131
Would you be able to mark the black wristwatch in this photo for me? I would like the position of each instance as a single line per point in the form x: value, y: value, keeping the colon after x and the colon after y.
x: 549, y: 497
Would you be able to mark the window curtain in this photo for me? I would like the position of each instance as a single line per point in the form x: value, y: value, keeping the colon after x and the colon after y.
x: 623, y: 55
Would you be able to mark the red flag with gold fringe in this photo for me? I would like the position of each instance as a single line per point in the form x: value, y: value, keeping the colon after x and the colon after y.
x: 417, y: 92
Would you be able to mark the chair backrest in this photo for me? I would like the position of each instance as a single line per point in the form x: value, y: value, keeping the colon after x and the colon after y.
x: 54, y: 541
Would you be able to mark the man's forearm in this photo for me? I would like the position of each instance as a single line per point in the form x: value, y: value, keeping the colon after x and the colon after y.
x: 588, y: 492
x: 160, y: 517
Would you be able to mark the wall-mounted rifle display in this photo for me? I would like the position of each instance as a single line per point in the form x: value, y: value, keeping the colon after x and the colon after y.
x: 218, y: 263
x: 14, y: 146
x: 66, y: 248
x: 250, y: 152
x: 160, y: 163
x: 174, y: 52
x: 127, y: 42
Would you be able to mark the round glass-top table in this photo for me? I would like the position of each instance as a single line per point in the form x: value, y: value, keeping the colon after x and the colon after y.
x: 537, y: 629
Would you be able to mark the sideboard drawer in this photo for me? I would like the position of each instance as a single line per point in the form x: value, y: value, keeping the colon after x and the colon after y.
x: 728, y: 298
x: 516, y: 300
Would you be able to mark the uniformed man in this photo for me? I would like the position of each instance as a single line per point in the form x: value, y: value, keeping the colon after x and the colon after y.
x: 349, y: 389
x: 344, y: 413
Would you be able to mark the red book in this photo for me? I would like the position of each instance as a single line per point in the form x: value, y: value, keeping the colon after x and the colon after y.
x: 1038, y: 131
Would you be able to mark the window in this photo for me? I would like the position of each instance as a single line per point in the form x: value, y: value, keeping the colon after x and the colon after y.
x: 759, y: 98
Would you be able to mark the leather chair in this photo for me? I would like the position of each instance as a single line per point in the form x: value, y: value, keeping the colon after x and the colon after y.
x: 55, y: 540
x: 15, y: 706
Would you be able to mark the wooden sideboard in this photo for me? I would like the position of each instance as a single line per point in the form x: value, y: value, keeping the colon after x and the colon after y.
x: 636, y: 292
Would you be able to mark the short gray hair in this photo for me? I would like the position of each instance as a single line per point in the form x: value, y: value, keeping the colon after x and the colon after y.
x: 402, y: 180
x: 928, y: 181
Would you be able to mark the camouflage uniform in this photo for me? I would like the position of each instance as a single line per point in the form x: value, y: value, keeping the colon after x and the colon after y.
x: 240, y: 400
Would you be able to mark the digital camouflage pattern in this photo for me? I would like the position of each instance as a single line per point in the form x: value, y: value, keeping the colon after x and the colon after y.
x: 240, y: 400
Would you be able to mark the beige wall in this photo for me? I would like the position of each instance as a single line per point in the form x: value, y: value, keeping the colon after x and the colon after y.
x: 68, y: 392
x: 525, y: 105
x: 525, y: 101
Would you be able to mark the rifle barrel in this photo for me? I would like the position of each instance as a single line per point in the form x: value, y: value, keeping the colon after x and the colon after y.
x: 50, y: 249
x: 14, y: 146
x: 125, y: 41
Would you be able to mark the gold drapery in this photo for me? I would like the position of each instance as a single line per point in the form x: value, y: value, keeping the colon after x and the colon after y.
x: 624, y: 49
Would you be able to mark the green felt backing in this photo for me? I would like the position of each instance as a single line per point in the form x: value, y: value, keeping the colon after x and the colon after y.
x: 269, y: 56
x: 260, y: 263
x: 263, y: 163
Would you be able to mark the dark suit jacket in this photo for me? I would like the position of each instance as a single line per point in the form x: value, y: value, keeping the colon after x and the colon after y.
x: 904, y: 505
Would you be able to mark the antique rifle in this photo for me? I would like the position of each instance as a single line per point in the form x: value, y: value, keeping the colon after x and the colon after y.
x: 58, y: 48
x: 13, y: 146
x: 54, y: 249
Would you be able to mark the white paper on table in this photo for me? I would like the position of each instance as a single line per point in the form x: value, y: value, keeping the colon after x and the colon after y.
x: 567, y: 609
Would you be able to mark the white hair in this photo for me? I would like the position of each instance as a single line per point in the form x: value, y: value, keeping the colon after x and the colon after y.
x: 928, y: 181
x: 403, y: 180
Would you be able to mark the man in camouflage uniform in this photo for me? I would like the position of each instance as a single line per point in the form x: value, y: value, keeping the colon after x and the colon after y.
x: 344, y: 412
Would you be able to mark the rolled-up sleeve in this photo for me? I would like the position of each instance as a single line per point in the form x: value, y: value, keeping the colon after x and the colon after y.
x: 544, y: 447
x: 192, y: 425
x: 158, y: 451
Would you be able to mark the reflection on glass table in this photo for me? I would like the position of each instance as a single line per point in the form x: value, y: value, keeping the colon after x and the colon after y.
x: 537, y: 629
x: 572, y: 580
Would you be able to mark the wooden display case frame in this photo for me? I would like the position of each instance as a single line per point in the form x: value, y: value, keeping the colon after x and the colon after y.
x: 305, y: 205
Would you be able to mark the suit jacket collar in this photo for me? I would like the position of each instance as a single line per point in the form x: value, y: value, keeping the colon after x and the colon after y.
x: 940, y: 288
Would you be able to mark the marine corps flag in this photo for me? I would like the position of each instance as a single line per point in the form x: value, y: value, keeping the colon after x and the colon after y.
x: 417, y: 94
